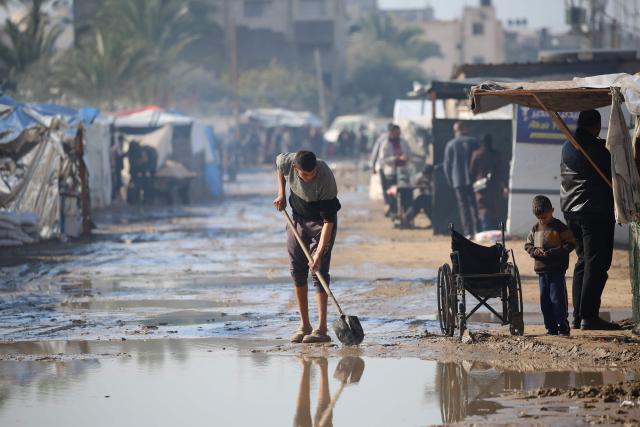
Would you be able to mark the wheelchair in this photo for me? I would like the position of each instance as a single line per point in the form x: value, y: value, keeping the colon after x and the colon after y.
x: 484, y: 273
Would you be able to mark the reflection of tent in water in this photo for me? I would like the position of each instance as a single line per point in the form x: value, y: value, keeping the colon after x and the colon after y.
x: 179, y: 139
x: 44, y: 181
x: 578, y: 95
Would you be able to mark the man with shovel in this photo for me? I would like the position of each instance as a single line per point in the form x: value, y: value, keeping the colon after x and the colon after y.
x: 313, y: 199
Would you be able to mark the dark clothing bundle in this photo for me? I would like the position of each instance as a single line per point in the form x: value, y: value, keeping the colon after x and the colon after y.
x: 588, y: 207
x: 325, y: 210
x: 583, y: 191
x: 556, y: 240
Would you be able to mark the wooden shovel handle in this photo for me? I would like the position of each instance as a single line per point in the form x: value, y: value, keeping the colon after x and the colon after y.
x: 306, y: 252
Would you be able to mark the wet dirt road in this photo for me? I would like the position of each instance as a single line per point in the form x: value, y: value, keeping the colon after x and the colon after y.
x: 189, y: 310
x: 202, y: 271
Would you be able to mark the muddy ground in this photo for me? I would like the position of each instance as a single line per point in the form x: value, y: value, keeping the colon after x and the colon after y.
x: 217, y: 274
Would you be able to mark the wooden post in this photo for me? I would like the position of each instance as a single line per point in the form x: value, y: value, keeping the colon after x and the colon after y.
x: 320, y: 86
x: 85, y: 196
x: 434, y: 97
x: 567, y: 132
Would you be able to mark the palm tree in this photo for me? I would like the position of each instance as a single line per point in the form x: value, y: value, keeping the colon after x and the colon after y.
x: 409, y: 40
x: 162, y: 30
x: 103, y: 69
x: 26, y: 41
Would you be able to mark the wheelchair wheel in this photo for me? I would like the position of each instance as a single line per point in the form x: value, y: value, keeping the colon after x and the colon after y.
x: 446, y: 300
x: 516, y: 321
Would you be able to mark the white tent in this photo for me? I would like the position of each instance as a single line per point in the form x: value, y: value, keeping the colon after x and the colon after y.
x: 149, y: 117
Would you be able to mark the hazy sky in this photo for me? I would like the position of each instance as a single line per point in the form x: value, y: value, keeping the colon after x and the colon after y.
x: 540, y: 13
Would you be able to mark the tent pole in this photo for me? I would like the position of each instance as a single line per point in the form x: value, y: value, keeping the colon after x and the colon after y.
x: 567, y: 132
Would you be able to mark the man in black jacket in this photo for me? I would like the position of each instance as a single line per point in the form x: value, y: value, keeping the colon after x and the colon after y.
x: 587, y: 203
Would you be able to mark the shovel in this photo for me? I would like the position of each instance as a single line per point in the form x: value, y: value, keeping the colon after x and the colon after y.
x: 348, y: 371
x: 347, y: 328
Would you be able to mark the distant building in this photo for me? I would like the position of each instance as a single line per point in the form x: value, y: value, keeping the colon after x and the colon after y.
x: 289, y: 31
x: 84, y: 14
x: 477, y: 37
x: 357, y: 9
x: 557, y: 65
x: 286, y: 31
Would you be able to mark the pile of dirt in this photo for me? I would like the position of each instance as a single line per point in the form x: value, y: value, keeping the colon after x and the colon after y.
x: 626, y: 393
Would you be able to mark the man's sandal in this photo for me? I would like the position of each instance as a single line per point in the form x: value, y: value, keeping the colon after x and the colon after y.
x: 299, y: 334
x: 316, y: 336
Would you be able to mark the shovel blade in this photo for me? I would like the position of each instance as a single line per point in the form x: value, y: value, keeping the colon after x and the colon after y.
x: 348, y: 330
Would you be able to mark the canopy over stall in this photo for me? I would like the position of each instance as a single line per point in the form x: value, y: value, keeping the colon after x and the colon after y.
x: 578, y: 94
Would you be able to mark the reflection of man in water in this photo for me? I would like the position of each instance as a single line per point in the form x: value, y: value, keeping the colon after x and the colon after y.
x: 303, y: 407
x: 348, y: 371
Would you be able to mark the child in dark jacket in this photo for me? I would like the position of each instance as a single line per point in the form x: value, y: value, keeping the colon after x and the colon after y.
x: 549, y: 244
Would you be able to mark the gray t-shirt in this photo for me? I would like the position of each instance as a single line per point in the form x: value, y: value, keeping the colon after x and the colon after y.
x: 323, y: 187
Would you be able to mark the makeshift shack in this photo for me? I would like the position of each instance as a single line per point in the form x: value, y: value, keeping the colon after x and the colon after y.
x: 177, y: 138
x: 582, y: 94
x: 44, y: 189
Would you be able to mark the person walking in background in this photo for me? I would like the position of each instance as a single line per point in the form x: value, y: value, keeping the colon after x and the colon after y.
x: 394, y: 153
x: 549, y: 243
x: 457, y: 156
x: 489, y: 185
x: 587, y: 203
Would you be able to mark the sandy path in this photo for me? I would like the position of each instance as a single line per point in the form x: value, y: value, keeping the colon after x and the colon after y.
x: 419, y: 248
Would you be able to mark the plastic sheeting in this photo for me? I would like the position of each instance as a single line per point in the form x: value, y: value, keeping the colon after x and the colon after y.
x: 150, y: 116
x: 275, y: 117
x: 34, y: 168
x: 625, y: 178
x: 33, y: 187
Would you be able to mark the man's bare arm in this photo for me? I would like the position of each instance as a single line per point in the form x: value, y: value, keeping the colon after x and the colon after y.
x: 280, y: 201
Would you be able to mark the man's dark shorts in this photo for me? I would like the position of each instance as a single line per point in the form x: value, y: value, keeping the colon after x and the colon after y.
x: 310, y: 231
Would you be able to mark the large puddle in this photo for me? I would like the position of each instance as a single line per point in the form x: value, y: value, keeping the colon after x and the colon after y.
x: 195, y: 382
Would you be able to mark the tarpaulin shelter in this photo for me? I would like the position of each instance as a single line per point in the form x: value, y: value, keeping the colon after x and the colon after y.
x: 44, y: 191
x: 278, y: 117
x: 582, y: 94
x: 179, y: 138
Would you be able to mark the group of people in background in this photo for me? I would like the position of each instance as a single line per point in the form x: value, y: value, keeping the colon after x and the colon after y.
x: 475, y: 171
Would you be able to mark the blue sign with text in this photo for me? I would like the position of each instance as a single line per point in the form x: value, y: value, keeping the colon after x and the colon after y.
x: 534, y: 126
